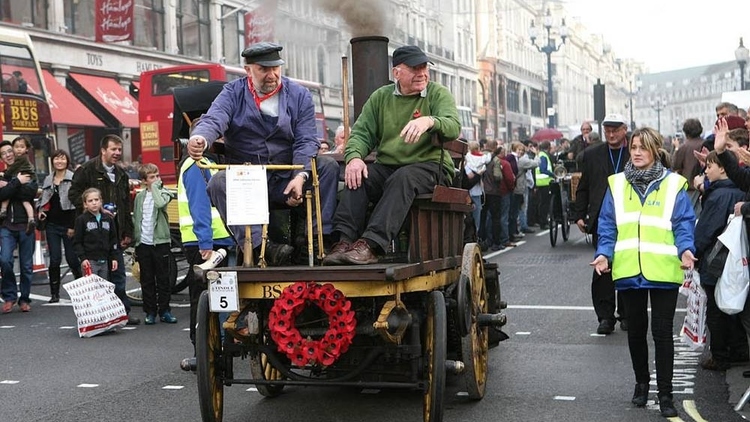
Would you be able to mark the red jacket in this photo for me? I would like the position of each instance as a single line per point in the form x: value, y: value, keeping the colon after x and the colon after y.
x: 509, y: 178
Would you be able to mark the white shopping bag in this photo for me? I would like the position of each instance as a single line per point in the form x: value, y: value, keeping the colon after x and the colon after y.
x: 96, y: 305
x: 694, y: 328
x: 733, y: 285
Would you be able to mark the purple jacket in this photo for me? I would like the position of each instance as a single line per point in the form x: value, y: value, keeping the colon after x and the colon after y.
x: 234, y: 115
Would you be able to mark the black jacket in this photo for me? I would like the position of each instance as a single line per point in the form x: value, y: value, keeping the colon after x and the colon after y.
x: 93, y: 175
x: 718, y: 204
x: 598, y: 165
x: 95, y: 240
x: 18, y: 193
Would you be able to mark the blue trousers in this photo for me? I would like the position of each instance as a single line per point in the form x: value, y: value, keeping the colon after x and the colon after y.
x: 9, y: 239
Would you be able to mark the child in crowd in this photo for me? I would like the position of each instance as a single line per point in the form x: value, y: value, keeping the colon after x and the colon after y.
x: 152, y: 244
x: 718, y: 203
x: 21, y: 148
x: 95, y: 240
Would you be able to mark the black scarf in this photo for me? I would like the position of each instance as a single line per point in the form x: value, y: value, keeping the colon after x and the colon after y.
x: 640, y: 179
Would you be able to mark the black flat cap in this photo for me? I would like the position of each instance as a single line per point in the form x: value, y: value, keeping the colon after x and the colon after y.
x: 410, y: 55
x: 264, y: 54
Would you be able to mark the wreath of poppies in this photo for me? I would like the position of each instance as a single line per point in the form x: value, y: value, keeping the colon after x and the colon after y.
x: 341, y: 324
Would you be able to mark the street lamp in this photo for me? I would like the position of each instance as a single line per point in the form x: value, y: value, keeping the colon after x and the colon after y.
x: 631, y: 94
x: 550, y: 47
x: 658, y: 105
x: 741, y: 54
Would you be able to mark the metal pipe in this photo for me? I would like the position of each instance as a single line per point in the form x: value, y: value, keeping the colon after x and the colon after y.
x: 345, y: 95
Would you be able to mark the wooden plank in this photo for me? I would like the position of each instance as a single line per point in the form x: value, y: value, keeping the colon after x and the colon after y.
x: 373, y: 272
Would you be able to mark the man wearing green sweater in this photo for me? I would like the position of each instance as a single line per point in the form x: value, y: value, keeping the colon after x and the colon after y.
x: 397, y: 121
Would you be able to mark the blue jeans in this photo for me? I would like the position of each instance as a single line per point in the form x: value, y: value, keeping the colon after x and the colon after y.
x: 477, y: 213
x: 57, y: 238
x: 523, y: 212
x: 9, y: 239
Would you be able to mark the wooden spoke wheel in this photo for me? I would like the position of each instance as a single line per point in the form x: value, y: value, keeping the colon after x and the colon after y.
x: 565, y: 222
x: 434, y: 354
x: 552, y: 221
x: 261, y: 368
x: 208, y: 356
x: 475, y: 346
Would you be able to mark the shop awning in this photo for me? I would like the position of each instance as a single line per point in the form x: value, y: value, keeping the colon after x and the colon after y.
x: 112, y: 96
x: 65, y: 107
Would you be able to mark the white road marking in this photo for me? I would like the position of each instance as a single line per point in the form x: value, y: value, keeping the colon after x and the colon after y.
x: 597, y: 335
x: 68, y: 327
x: 504, y: 250
x: 7, y: 326
x: 128, y: 328
x: 87, y: 385
x: 252, y: 389
x: 462, y: 394
x: 564, y: 398
x: 566, y: 308
x: 523, y: 333
x: 173, y: 387
x: 9, y: 382
x: 542, y: 233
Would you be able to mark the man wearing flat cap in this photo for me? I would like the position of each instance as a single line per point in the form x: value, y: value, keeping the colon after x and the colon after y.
x: 266, y: 118
x: 398, y: 122
x: 599, y: 162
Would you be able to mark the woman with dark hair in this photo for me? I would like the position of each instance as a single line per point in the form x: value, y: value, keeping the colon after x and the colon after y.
x: 58, y: 214
x: 646, y: 240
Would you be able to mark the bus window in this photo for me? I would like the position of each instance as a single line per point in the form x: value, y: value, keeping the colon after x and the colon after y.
x: 163, y: 84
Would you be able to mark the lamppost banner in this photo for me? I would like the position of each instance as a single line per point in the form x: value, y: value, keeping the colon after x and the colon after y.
x: 114, y: 20
x: 260, y: 23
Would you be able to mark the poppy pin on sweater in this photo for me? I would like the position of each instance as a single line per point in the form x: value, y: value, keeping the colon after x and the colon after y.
x: 416, y: 114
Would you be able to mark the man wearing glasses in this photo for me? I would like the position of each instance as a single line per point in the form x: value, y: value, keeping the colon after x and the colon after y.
x: 13, y: 233
x: 599, y: 162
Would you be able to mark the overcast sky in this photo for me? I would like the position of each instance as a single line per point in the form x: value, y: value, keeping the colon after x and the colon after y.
x: 668, y: 34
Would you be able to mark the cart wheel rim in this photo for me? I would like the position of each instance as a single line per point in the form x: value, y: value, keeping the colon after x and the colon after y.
x: 435, y: 344
x: 475, y: 346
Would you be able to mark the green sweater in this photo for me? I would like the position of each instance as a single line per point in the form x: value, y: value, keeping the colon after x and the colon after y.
x: 162, y: 196
x: 385, y: 114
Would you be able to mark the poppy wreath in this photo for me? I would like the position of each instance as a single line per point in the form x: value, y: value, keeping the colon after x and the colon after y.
x: 341, y: 324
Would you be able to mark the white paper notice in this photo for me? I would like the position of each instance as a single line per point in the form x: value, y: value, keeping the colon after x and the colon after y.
x: 247, y: 195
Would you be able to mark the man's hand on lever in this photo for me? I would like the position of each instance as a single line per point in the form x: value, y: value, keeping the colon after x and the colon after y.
x: 195, y: 147
x: 294, y: 190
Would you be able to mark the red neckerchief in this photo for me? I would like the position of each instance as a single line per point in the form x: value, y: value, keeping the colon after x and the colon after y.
x: 477, y: 153
x: 258, y: 99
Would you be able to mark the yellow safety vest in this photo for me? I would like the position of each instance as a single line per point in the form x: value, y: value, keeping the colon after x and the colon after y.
x: 645, y: 240
x: 543, y: 179
x: 186, y: 220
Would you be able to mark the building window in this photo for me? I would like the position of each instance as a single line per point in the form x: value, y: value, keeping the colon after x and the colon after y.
x: 80, y: 17
x: 193, y: 26
x: 233, y: 33
x: 513, y: 97
x: 26, y: 13
x: 149, y: 24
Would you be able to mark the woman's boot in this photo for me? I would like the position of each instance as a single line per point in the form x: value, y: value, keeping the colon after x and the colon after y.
x: 54, y: 284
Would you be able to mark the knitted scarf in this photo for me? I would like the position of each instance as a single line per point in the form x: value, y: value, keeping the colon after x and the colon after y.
x: 640, y: 179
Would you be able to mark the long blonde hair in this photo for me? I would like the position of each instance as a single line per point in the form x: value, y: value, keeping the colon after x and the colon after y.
x: 652, y: 140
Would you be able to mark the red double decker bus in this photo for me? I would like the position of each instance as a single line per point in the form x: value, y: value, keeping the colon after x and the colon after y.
x: 23, y: 98
x: 156, y: 109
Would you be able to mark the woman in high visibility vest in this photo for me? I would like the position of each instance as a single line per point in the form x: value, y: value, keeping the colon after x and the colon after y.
x: 646, y: 239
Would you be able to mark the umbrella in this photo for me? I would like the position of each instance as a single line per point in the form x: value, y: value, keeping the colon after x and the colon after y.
x: 190, y: 102
x: 546, y: 134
